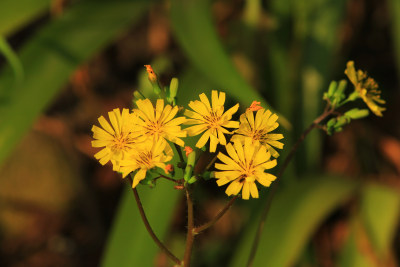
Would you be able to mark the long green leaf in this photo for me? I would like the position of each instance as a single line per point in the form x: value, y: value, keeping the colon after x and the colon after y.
x: 129, y: 243
x: 12, y: 59
x: 194, y: 29
x: 295, y: 213
x: 316, y: 26
x: 394, y: 12
x: 14, y: 14
x: 380, y: 207
x: 373, y: 228
x: 52, y: 55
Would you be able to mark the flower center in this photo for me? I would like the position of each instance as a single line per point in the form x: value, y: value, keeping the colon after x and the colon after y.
x: 247, y: 170
x: 154, y: 128
x: 145, y: 159
x: 259, y: 135
x: 213, y: 120
x: 119, y: 142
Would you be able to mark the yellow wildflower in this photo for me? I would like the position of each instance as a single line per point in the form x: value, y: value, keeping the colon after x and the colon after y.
x: 211, y: 119
x: 259, y: 130
x: 154, y: 154
x: 159, y: 122
x: 366, y: 87
x: 245, y: 164
x: 117, y: 138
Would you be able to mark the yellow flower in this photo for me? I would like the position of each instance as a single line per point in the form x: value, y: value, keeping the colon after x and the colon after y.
x: 153, y: 154
x: 245, y: 164
x: 259, y: 130
x: 159, y: 122
x: 366, y: 87
x: 211, y: 119
x: 117, y: 138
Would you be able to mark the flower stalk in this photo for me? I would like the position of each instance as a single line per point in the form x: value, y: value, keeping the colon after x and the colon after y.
x: 150, y: 230
x: 190, y: 227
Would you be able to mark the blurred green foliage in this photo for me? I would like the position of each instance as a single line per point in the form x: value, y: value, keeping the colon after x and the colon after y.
x: 296, y: 64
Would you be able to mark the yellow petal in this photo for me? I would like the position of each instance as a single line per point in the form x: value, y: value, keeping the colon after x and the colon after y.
x: 213, y: 143
x: 100, y: 134
x: 269, y: 164
x: 246, y: 191
x: 196, y: 130
x: 203, y: 139
x: 159, y: 108
x: 147, y: 108
x: 115, y: 120
x: 225, y: 167
x: 253, y: 190
x: 205, y: 101
x: 222, y: 181
x: 265, y: 179
x: 100, y: 143
x: 234, y: 188
x: 221, y: 137
x: 140, y: 175
x: 106, y: 126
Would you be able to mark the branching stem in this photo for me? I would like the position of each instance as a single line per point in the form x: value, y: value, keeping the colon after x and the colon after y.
x: 150, y: 230
x: 190, y: 227
x: 315, y: 124
x: 221, y: 213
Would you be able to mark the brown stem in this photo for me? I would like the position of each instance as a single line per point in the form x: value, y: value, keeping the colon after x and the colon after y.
x: 150, y: 230
x: 274, y: 186
x: 166, y: 177
x: 178, y: 149
x: 221, y: 213
x: 211, y: 162
x: 190, y: 226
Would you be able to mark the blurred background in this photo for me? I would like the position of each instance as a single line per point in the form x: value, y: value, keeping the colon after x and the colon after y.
x: 66, y: 62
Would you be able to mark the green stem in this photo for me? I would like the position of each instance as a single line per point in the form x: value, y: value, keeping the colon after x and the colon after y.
x: 190, y: 227
x: 328, y: 111
x: 150, y: 230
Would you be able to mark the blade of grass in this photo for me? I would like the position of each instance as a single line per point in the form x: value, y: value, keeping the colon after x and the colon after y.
x: 12, y: 59
x: 380, y: 223
x: 394, y: 12
x: 194, y: 29
x: 51, y: 56
x: 316, y: 24
x: 372, y: 228
x: 296, y: 212
x: 15, y: 14
x: 129, y: 243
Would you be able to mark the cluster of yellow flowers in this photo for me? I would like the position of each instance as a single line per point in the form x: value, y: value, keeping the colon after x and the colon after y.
x: 138, y: 141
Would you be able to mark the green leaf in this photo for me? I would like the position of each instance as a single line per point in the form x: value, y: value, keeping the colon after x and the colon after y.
x: 194, y: 29
x: 12, y: 59
x: 316, y: 23
x: 380, y: 206
x: 351, y: 256
x: 129, y: 243
x: 15, y: 14
x: 373, y: 228
x: 296, y: 212
x: 394, y: 12
x: 51, y: 56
